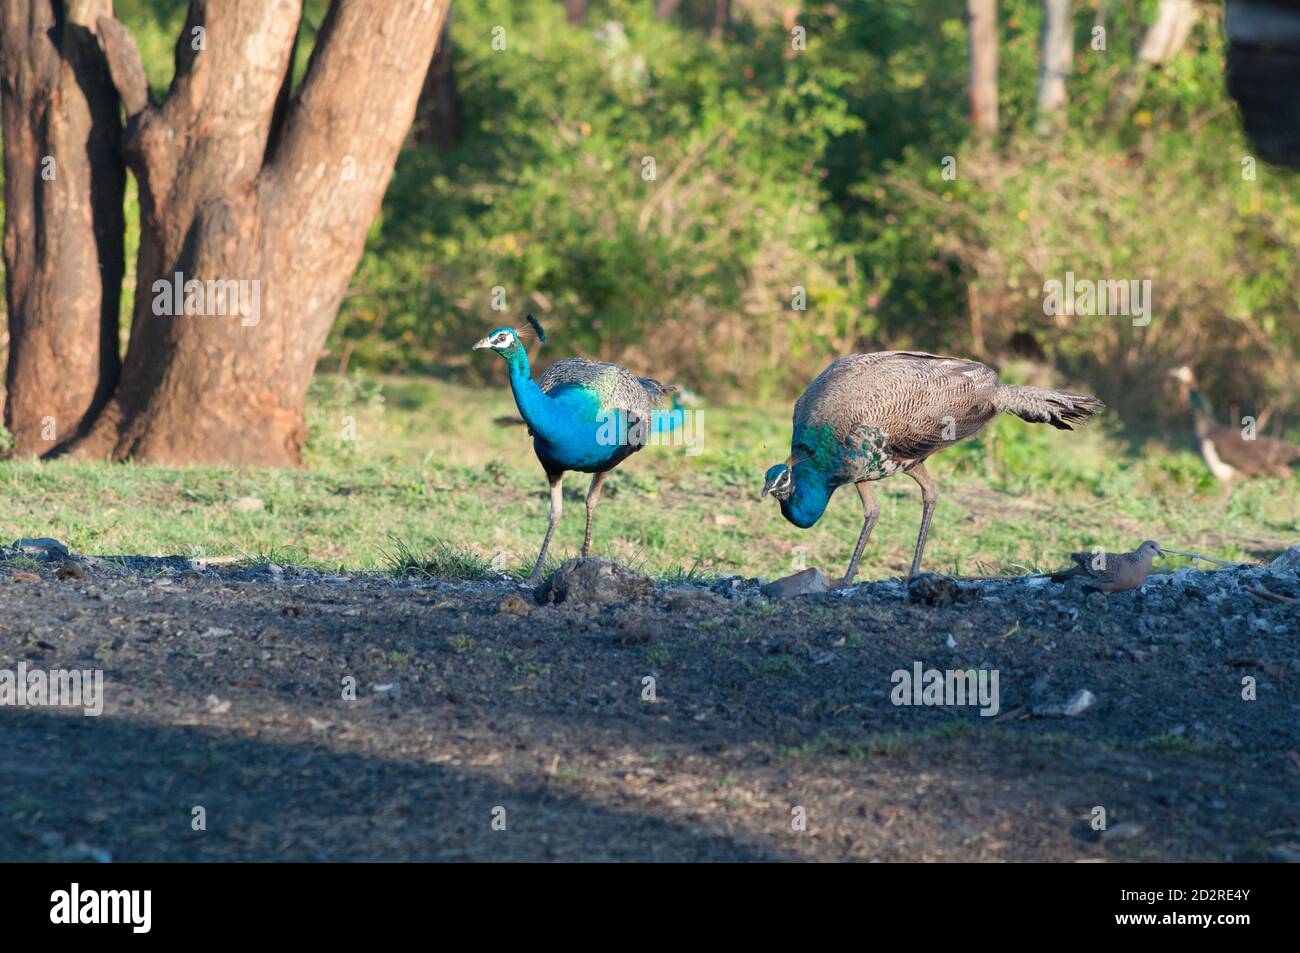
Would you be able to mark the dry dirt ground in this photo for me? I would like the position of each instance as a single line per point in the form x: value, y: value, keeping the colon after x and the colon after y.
x: 486, y: 727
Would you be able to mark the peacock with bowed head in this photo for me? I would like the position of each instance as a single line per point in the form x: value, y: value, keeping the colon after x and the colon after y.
x: 869, y: 416
x: 583, y: 415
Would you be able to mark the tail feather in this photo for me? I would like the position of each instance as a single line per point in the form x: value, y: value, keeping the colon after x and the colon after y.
x: 1039, y: 405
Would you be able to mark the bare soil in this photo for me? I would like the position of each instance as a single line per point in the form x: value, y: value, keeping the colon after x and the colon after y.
x: 225, y: 690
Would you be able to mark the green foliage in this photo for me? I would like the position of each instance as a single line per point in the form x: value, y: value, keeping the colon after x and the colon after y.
x: 824, y: 170
x: 335, y: 402
x: 820, y: 169
x: 549, y: 198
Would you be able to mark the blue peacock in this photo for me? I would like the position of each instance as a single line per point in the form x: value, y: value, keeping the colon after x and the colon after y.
x: 869, y: 416
x: 583, y: 415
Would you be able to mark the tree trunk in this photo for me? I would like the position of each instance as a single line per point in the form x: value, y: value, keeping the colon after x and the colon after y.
x: 1161, y: 43
x: 665, y: 9
x: 63, y: 232
x: 575, y: 11
x: 439, y: 120
x: 1173, y: 23
x: 721, y: 17
x: 1055, y: 55
x: 983, y: 18
x: 249, y: 230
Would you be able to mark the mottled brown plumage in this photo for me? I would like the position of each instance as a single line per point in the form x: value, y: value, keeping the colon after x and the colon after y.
x: 920, y: 403
x: 1111, y: 572
x: 1229, y: 452
x: 869, y: 416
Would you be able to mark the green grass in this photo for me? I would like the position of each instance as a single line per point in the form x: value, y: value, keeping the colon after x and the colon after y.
x: 438, y: 560
x: 431, y: 485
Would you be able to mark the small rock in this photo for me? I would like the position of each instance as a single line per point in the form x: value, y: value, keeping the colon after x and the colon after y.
x: 249, y: 504
x: 52, y: 840
x: 1125, y: 830
x: 513, y: 605
x: 78, y: 852
x: 42, y: 548
x: 71, y: 569
x: 218, y: 706
x: 931, y: 589
x: 593, y: 582
x: 1288, y: 562
x: 1285, y: 853
x: 213, y: 632
x: 1079, y: 702
x: 803, y: 583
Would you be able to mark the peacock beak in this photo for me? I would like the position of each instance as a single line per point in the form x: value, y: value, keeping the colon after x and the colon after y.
x: 482, y: 343
x: 767, y: 488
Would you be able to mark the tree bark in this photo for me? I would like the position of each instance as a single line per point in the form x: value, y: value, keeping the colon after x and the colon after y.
x: 721, y: 17
x: 63, y: 220
x: 1055, y: 55
x: 665, y: 9
x: 439, y: 120
x: 262, y: 212
x: 983, y: 19
x: 575, y: 11
x: 1161, y: 43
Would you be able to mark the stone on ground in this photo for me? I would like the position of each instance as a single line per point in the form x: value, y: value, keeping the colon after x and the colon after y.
x: 801, y: 583
x: 593, y: 582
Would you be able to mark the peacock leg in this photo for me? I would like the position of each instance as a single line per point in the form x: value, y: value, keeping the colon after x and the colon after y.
x: 557, y: 507
x: 593, y: 497
x: 871, y: 509
x: 929, y: 496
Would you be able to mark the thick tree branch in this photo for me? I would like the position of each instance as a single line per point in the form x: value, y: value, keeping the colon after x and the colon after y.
x: 124, y: 65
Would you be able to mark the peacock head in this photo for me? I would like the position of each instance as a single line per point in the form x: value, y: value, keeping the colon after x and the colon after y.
x: 502, y: 340
x: 779, y: 481
x: 507, y: 341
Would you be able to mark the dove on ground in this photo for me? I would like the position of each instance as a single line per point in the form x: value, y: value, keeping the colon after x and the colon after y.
x: 1111, y: 572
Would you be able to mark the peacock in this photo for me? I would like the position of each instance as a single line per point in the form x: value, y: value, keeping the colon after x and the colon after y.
x: 869, y: 416
x: 1227, y: 451
x: 583, y: 415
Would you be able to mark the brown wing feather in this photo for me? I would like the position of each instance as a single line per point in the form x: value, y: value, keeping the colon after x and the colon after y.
x: 921, y: 402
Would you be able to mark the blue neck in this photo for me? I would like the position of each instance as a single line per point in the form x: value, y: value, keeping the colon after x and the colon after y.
x: 534, y: 406
x: 811, y: 494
